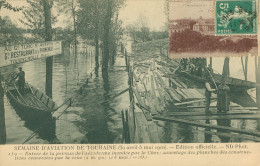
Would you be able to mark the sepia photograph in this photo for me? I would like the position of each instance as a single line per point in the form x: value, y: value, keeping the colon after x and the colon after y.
x: 126, y: 72
x: 66, y: 68
x: 220, y: 73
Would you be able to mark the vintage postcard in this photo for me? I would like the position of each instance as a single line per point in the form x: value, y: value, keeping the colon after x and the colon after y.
x: 129, y: 82
x: 208, y: 28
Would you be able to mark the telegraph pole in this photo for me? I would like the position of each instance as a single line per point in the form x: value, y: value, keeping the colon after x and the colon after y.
x: 225, y: 71
x: 48, y: 37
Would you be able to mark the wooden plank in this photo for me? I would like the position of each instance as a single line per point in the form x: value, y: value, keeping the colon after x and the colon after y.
x: 174, y: 93
x: 237, y: 136
x: 142, y: 105
x: 248, y: 108
x: 180, y: 92
x: 189, y: 94
x: 224, y: 128
x: 189, y: 102
x: 150, y: 102
x: 176, y: 83
x: 141, y: 135
x: 182, y: 83
x: 158, y: 87
x: 161, y: 97
x: 195, y: 93
x: 155, y: 106
x: 212, y: 106
x: 166, y: 95
x: 135, y: 77
x: 143, y: 79
x: 166, y: 88
x: 202, y: 113
x: 218, y: 117
x: 231, y: 107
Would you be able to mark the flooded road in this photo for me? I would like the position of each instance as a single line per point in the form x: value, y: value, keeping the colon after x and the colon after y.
x: 92, y: 118
x: 95, y: 115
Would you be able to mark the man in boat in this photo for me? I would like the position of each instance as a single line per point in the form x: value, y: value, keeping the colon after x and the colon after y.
x: 208, y: 91
x: 223, y: 99
x: 21, y: 80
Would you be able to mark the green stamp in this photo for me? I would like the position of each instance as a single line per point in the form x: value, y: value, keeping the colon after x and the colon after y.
x: 235, y: 17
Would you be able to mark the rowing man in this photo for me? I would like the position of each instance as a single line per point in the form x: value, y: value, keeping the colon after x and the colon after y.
x: 21, y: 80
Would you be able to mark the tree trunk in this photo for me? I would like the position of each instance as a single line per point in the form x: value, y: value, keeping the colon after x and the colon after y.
x: 96, y: 55
x: 48, y: 37
x: 210, y: 62
x: 96, y: 51
x: 75, y: 32
x: 2, y: 115
x: 107, y: 23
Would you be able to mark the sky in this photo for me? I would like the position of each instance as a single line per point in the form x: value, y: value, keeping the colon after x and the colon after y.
x: 153, y: 10
x: 191, y: 9
x: 14, y: 15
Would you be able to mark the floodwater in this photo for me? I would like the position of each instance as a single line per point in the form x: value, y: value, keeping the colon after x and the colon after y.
x: 95, y: 115
x: 92, y: 118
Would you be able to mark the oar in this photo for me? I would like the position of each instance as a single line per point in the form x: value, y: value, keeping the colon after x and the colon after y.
x: 212, y: 78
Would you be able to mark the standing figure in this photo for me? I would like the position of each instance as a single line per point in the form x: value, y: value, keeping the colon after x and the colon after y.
x: 223, y: 99
x: 208, y: 90
x: 21, y: 80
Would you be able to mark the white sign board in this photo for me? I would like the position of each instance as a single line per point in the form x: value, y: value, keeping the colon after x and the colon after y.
x: 28, y: 52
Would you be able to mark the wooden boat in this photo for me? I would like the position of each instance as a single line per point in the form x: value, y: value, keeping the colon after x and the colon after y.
x: 33, y: 102
x: 235, y: 84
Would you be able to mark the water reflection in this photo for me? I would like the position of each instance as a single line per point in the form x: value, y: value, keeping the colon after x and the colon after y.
x: 223, y: 122
x: 207, y: 134
x: 185, y: 132
x: 44, y: 127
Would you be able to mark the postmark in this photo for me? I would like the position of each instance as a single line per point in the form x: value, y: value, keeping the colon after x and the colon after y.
x: 235, y: 17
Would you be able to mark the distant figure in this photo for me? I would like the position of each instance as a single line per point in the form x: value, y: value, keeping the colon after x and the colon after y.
x: 21, y: 80
x: 223, y: 99
x: 208, y: 91
x: 210, y: 68
x: 192, y: 68
x: 199, y: 70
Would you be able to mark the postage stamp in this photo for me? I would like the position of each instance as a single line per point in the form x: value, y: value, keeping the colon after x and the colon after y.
x: 235, y: 17
x: 209, y: 28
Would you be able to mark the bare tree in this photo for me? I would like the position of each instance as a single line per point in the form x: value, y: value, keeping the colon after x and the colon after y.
x: 69, y: 7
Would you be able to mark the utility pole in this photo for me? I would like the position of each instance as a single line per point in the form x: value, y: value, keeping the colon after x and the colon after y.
x: 244, y: 66
x: 48, y: 37
x: 210, y: 62
x: 225, y: 72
